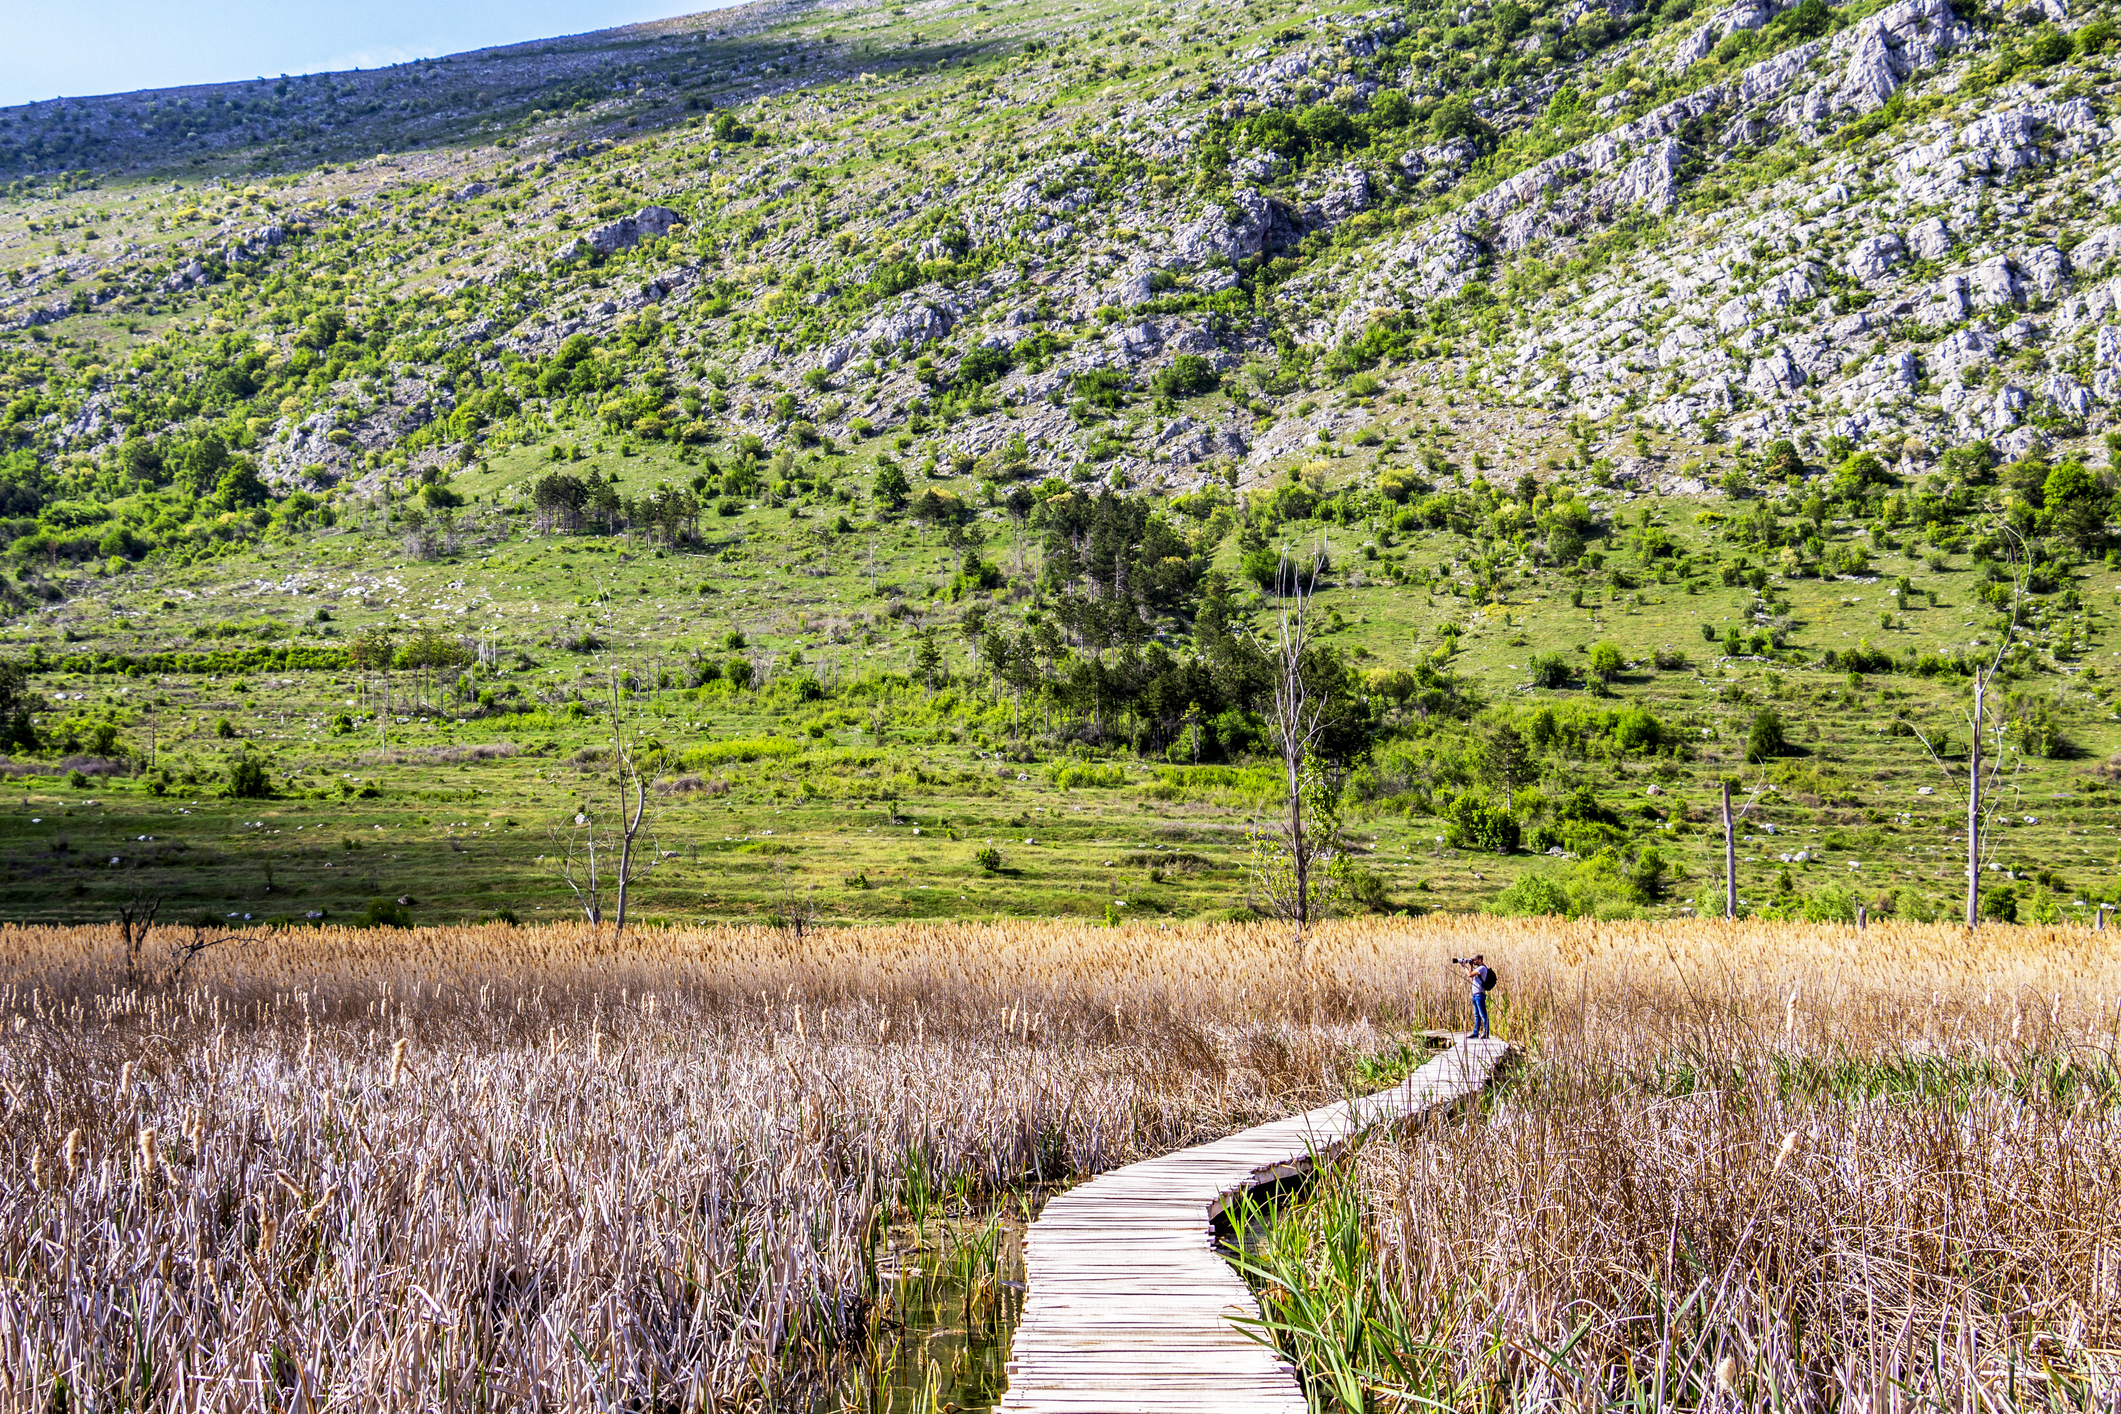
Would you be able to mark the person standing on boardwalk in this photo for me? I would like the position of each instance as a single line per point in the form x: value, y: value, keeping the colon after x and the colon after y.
x: 1482, y: 977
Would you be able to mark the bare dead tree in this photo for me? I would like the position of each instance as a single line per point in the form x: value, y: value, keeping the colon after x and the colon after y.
x: 638, y: 767
x: 136, y: 917
x: 1985, y: 798
x: 144, y: 968
x: 575, y: 860
x: 1295, y: 871
x: 599, y: 861
x: 798, y: 910
x: 182, y: 953
x: 1730, y: 845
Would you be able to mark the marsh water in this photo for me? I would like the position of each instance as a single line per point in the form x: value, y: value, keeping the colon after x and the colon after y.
x: 949, y: 1293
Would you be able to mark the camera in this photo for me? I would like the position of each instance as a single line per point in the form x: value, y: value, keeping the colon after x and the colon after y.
x: 1460, y: 961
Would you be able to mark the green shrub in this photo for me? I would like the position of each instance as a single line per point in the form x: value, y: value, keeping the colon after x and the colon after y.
x: 247, y: 779
x: 386, y: 913
x: 1186, y: 376
x: 1807, y: 20
x: 1077, y: 777
x: 739, y: 750
x: 1549, y: 670
x: 1636, y: 730
x: 2049, y: 46
x: 2040, y: 733
x: 1595, y: 887
x: 989, y: 859
x: 1533, y: 895
x: 1477, y: 824
x: 1764, y: 739
x: 1830, y: 903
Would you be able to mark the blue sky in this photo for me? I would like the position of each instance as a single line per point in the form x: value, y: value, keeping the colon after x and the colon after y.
x: 114, y: 46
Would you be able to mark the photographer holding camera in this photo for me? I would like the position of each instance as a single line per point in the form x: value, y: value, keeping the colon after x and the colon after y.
x: 1483, y: 979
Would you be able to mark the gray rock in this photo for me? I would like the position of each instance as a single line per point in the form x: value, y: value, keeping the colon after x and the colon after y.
x: 1261, y: 166
x: 1791, y: 288
x: 1929, y: 239
x: 1651, y: 180
x: 189, y: 277
x: 1951, y: 356
x: 2047, y: 269
x: 1247, y: 225
x: 650, y: 222
x: 2106, y: 347
x: 1873, y: 259
x: 2068, y: 395
x: 1346, y: 194
x: 1695, y: 47
x: 1996, y: 284
x: 1444, y: 263
x: 2003, y: 142
x: 1443, y: 162
x: 1136, y: 287
x: 1774, y: 376
x: 913, y: 321
x: 2097, y: 248
x: 2019, y: 442
x: 1136, y: 342
x: 1871, y: 76
x: 1947, y: 302
x: 1681, y: 344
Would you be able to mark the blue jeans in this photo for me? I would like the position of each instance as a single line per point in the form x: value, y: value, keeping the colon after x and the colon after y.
x: 1480, y: 1012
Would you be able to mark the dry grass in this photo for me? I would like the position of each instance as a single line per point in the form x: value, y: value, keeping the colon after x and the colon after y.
x: 1789, y: 1174
x: 494, y: 1167
x: 502, y: 1168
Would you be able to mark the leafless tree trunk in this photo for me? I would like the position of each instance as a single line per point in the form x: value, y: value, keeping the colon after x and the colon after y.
x: 1730, y: 860
x: 1973, y: 808
x: 1982, y: 800
x: 635, y: 778
x: 1730, y: 848
x: 578, y: 866
x: 135, y: 918
x: 585, y: 859
x: 1299, y: 721
x: 798, y: 906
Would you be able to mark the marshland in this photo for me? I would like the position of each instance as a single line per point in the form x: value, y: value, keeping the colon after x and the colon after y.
x: 501, y: 1168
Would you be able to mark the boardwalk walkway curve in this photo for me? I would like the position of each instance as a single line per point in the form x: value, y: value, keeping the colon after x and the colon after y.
x: 1129, y: 1305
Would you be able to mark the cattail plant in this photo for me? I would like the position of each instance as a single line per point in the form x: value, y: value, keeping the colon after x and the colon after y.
x: 580, y: 1200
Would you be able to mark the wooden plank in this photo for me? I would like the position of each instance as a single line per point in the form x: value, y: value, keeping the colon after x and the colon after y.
x: 1129, y: 1308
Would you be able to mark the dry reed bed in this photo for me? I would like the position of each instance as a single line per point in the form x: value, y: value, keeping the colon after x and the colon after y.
x: 543, y: 1168
x: 1820, y: 1178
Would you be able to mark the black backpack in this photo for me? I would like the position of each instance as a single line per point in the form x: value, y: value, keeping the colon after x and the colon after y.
x: 1486, y: 978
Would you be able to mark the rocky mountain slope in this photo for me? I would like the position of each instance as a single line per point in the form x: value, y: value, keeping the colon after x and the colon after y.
x: 773, y: 366
x: 1717, y: 230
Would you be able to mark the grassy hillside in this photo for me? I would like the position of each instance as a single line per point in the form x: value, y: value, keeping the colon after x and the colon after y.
x: 961, y: 372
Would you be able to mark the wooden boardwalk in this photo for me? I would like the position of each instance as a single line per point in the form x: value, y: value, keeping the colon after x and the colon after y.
x: 1129, y: 1305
